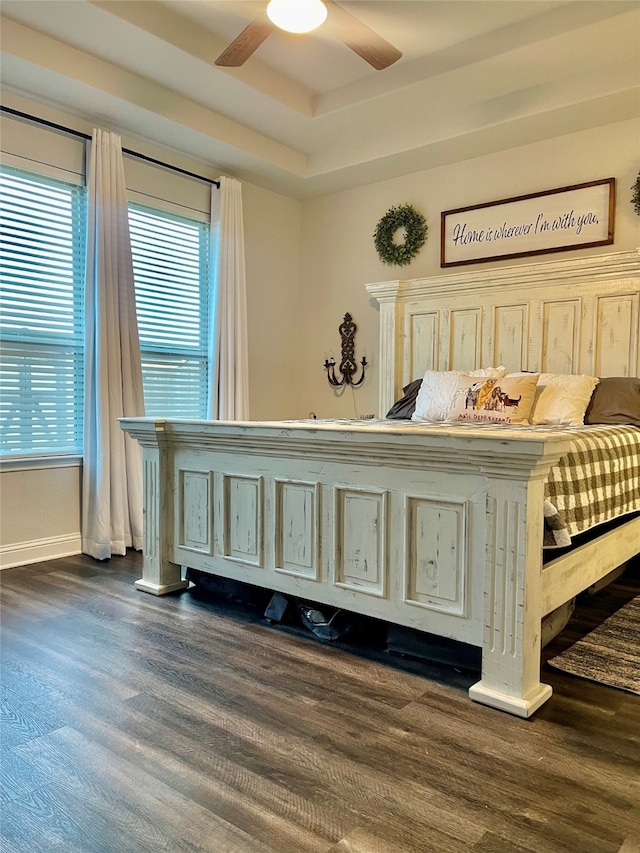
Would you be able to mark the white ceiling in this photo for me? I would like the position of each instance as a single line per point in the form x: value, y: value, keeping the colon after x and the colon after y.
x: 305, y: 115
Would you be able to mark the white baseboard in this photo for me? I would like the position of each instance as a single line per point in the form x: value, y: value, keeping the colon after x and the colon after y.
x: 24, y: 553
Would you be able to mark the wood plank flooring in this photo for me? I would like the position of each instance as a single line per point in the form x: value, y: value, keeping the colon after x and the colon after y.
x: 133, y: 724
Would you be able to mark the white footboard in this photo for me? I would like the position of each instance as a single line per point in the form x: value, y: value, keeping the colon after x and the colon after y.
x: 429, y: 529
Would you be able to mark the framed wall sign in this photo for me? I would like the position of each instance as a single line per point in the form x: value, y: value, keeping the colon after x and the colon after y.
x: 552, y: 221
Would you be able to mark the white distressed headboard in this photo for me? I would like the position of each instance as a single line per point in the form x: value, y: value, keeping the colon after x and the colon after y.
x: 573, y: 316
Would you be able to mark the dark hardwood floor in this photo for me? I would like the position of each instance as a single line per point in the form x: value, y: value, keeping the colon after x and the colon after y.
x: 134, y: 723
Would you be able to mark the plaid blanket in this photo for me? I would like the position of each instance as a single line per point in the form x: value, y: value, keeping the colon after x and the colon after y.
x: 598, y: 480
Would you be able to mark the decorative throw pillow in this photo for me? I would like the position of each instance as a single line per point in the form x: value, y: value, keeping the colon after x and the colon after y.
x: 506, y: 400
x: 442, y: 393
x: 403, y: 408
x: 509, y: 400
x: 562, y: 398
x: 615, y: 400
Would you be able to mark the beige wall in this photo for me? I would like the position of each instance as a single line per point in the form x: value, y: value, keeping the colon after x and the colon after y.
x: 338, y: 255
x: 39, y: 513
x: 272, y: 250
x: 307, y: 264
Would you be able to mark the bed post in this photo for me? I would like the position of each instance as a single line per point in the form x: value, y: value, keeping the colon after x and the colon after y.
x: 159, y: 574
x: 390, y: 337
x: 512, y: 602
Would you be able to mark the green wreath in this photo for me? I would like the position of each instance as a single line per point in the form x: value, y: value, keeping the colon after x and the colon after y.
x: 415, y: 230
x: 635, y: 195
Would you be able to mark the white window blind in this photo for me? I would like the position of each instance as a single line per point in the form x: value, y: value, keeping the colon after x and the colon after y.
x: 42, y: 223
x: 171, y: 272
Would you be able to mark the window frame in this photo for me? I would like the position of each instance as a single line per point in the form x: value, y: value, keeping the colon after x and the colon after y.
x: 37, y: 455
x: 160, y: 353
x: 66, y: 262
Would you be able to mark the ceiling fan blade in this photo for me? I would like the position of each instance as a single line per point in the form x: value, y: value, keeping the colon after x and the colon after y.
x: 367, y: 43
x: 245, y: 44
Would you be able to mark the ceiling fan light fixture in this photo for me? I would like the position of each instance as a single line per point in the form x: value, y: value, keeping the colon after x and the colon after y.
x: 297, y: 16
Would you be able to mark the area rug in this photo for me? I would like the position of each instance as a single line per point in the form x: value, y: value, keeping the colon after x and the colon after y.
x: 610, y: 654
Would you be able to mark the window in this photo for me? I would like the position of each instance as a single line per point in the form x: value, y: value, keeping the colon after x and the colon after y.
x: 42, y: 260
x: 171, y: 272
x: 42, y: 221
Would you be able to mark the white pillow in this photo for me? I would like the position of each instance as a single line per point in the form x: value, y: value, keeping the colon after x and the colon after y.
x: 440, y: 388
x: 562, y: 399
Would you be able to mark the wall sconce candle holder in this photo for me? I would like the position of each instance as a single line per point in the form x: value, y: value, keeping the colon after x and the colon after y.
x: 348, y: 367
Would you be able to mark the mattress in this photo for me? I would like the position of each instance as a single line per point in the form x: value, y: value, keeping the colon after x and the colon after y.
x: 598, y: 480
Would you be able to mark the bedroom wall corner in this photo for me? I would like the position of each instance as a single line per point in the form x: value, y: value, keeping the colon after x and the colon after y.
x: 339, y: 257
x: 40, y: 506
x: 276, y: 328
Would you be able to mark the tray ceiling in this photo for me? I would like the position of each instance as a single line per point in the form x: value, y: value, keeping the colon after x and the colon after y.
x: 305, y: 115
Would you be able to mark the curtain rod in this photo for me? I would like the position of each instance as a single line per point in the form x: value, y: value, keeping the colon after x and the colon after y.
x: 127, y: 151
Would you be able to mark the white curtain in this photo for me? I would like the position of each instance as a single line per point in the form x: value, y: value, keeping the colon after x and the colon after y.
x: 112, y: 468
x: 228, y: 351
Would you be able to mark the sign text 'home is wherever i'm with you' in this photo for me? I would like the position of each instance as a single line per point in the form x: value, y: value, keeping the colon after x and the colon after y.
x: 550, y: 221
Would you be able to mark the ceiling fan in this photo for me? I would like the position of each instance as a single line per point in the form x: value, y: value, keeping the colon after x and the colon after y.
x: 364, y: 41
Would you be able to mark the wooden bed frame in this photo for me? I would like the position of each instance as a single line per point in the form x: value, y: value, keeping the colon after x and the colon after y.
x: 439, y: 530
